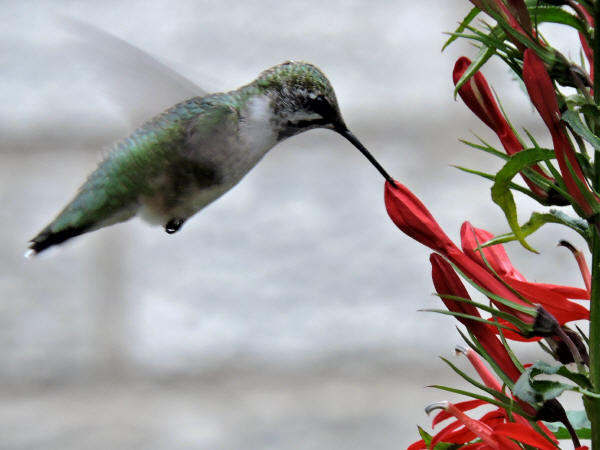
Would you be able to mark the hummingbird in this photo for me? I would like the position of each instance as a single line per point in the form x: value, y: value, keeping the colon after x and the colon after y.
x: 183, y: 159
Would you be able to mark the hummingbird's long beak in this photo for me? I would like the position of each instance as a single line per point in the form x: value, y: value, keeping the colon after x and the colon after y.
x: 354, y: 140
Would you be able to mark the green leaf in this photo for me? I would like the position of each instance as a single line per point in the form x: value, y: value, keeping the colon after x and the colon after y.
x: 537, y: 220
x: 509, y: 317
x: 509, y: 407
x: 558, y: 15
x: 424, y: 435
x: 574, y: 121
x: 501, y: 194
x: 489, y: 176
x: 485, y: 147
x: 501, y: 399
x: 463, y: 25
x: 532, y: 390
x: 541, y: 367
x: 538, y: 391
x: 580, y: 423
x: 440, y: 445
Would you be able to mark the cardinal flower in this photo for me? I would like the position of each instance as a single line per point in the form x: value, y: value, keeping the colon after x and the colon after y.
x: 478, y: 97
x: 492, y: 431
x: 447, y: 283
x: 413, y: 218
x: 553, y: 297
x: 542, y: 95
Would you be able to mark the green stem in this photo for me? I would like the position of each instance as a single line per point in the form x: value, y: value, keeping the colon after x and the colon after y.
x: 593, y: 405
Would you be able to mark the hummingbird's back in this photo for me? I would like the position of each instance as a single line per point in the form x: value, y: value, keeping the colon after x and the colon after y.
x: 111, y: 193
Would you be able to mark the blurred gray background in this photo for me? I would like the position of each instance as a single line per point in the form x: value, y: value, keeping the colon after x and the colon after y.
x: 283, y: 316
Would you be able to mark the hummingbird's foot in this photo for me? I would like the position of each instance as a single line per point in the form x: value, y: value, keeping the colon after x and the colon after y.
x: 174, y: 225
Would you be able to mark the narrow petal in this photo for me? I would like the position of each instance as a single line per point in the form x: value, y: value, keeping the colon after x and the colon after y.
x: 566, y: 291
x: 558, y: 305
x: 419, y: 445
x: 553, y: 300
x: 486, y: 375
x: 480, y: 429
x: 462, y: 406
x: 496, y: 256
x: 523, y: 434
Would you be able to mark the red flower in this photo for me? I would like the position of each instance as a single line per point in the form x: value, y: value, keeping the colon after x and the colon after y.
x: 493, y: 429
x: 477, y: 95
x: 553, y: 298
x: 413, y: 218
x: 447, y: 282
x: 542, y: 95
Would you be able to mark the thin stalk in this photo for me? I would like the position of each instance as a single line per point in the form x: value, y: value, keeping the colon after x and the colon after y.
x: 592, y: 406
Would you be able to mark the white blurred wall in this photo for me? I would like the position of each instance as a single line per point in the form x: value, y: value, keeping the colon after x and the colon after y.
x: 285, y: 314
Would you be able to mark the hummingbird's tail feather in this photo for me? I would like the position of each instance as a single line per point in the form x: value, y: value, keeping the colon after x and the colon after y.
x: 47, y: 238
x: 100, y: 202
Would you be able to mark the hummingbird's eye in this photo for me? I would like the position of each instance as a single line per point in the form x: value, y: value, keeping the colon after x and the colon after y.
x: 321, y: 106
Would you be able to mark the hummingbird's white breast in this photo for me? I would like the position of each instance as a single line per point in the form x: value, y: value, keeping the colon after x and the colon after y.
x: 257, y: 133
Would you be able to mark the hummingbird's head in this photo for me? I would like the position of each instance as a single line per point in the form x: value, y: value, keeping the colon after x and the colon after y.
x: 302, y: 98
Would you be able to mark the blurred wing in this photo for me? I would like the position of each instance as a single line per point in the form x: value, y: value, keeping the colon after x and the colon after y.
x: 137, y: 83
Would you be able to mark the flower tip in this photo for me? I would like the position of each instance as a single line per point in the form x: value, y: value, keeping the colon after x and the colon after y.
x: 391, y: 183
x: 461, y: 349
x: 438, y: 405
x: 568, y: 245
x: 460, y: 66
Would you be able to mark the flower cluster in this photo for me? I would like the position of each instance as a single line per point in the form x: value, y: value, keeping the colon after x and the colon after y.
x: 521, y: 400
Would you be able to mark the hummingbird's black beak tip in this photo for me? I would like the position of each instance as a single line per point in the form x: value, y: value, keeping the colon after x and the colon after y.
x: 342, y: 129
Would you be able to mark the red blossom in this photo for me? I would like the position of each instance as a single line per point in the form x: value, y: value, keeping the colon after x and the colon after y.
x: 493, y: 429
x: 478, y: 97
x: 413, y: 218
x: 447, y: 282
x: 542, y: 95
x: 553, y: 298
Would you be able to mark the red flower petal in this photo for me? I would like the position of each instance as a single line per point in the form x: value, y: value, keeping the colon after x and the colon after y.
x: 419, y: 445
x: 496, y: 257
x: 558, y: 305
x: 462, y: 406
x: 523, y: 434
x: 567, y: 291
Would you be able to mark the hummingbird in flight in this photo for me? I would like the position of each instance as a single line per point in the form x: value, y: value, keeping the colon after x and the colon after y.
x: 183, y: 159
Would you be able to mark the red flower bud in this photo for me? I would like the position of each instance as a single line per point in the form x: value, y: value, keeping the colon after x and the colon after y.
x: 542, y: 95
x: 477, y: 95
x: 413, y: 218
